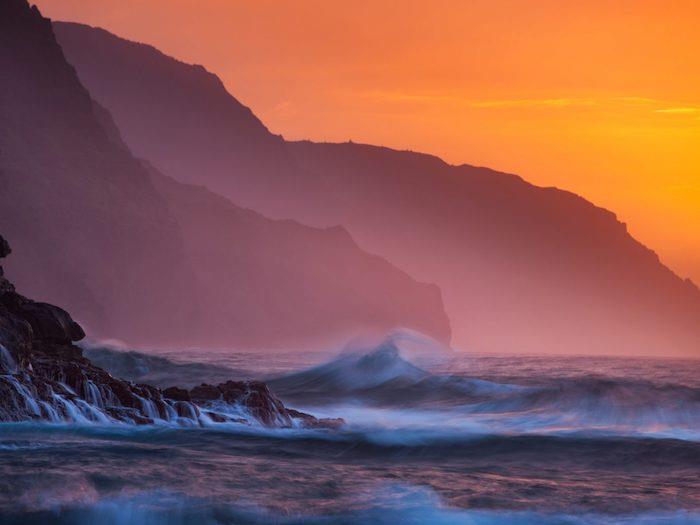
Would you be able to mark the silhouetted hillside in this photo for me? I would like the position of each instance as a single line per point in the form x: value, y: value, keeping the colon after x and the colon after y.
x: 279, y: 282
x: 522, y: 268
x: 95, y: 232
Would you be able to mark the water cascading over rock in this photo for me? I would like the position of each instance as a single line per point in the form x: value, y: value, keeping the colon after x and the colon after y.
x: 45, y: 377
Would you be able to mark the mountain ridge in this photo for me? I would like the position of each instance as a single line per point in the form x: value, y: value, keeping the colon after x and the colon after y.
x: 522, y: 267
x: 124, y: 248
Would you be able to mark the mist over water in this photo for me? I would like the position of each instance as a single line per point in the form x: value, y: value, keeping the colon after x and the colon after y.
x: 432, y: 436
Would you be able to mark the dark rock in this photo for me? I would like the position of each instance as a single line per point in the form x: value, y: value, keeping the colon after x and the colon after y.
x: 4, y: 252
x: 256, y: 398
x: 265, y: 407
x: 48, y: 322
x: 52, y: 323
x: 5, y: 285
x: 177, y: 394
x: 232, y: 391
x: 5, y: 249
x: 186, y: 409
x: 310, y: 421
x: 205, y: 392
x: 45, y: 377
x: 216, y: 417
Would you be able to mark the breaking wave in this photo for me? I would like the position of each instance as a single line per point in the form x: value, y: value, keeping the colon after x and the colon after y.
x: 387, y: 396
x: 381, y: 375
x: 379, y: 389
x: 419, y: 446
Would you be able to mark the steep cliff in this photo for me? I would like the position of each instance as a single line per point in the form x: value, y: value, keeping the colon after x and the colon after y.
x: 152, y: 261
x: 522, y: 268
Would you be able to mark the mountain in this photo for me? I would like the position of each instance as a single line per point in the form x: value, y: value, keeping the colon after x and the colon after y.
x: 279, y: 282
x: 90, y: 229
x: 142, y: 258
x: 522, y: 268
x: 231, y: 139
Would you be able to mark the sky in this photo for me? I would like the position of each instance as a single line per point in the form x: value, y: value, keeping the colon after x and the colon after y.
x: 601, y: 98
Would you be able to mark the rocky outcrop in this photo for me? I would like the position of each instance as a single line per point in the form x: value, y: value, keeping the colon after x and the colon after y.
x: 257, y: 400
x: 44, y: 376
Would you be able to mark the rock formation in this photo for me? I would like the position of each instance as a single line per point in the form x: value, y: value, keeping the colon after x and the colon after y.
x: 44, y: 376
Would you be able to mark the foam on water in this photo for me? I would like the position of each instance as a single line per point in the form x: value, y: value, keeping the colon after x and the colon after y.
x: 7, y: 362
x: 381, y: 393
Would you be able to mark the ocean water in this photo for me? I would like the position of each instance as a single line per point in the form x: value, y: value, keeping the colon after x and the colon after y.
x: 432, y: 436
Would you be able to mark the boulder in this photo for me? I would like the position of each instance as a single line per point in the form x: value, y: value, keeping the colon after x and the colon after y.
x: 205, y: 392
x: 48, y: 322
x: 177, y: 394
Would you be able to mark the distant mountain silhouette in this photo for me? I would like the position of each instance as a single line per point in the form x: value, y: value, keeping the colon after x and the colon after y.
x: 231, y: 139
x: 522, y: 268
x: 138, y: 256
x: 282, y: 283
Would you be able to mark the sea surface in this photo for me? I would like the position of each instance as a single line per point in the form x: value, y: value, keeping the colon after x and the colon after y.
x: 432, y: 436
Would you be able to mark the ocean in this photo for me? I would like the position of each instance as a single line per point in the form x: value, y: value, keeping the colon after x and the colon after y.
x: 431, y: 436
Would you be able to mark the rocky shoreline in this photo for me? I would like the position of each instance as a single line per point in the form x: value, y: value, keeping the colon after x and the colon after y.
x: 45, y: 377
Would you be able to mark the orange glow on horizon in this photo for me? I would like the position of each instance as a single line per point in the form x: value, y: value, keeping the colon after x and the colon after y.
x: 598, y: 98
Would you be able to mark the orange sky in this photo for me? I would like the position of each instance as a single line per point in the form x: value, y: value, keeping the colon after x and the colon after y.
x: 601, y: 98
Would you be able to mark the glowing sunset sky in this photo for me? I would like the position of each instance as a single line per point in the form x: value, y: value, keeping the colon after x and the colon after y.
x: 601, y: 98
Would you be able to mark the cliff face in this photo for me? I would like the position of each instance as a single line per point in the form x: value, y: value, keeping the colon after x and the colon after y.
x: 522, y: 268
x: 90, y: 229
x: 152, y: 261
x: 282, y: 283
x: 189, y: 110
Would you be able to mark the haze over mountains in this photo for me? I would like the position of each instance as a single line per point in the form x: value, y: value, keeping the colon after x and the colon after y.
x: 521, y: 268
x: 137, y: 256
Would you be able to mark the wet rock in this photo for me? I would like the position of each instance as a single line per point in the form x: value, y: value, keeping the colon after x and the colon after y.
x: 186, y: 409
x: 46, y: 377
x: 264, y: 406
x: 5, y: 285
x: 257, y: 400
x: 233, y: 391
x: 204, y: 393
x: 309, y: 421
x: 215, y: 417
x: 253, y: 396
x: 51, y: 323
x: 48, y: 322
x: 177, y: 394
